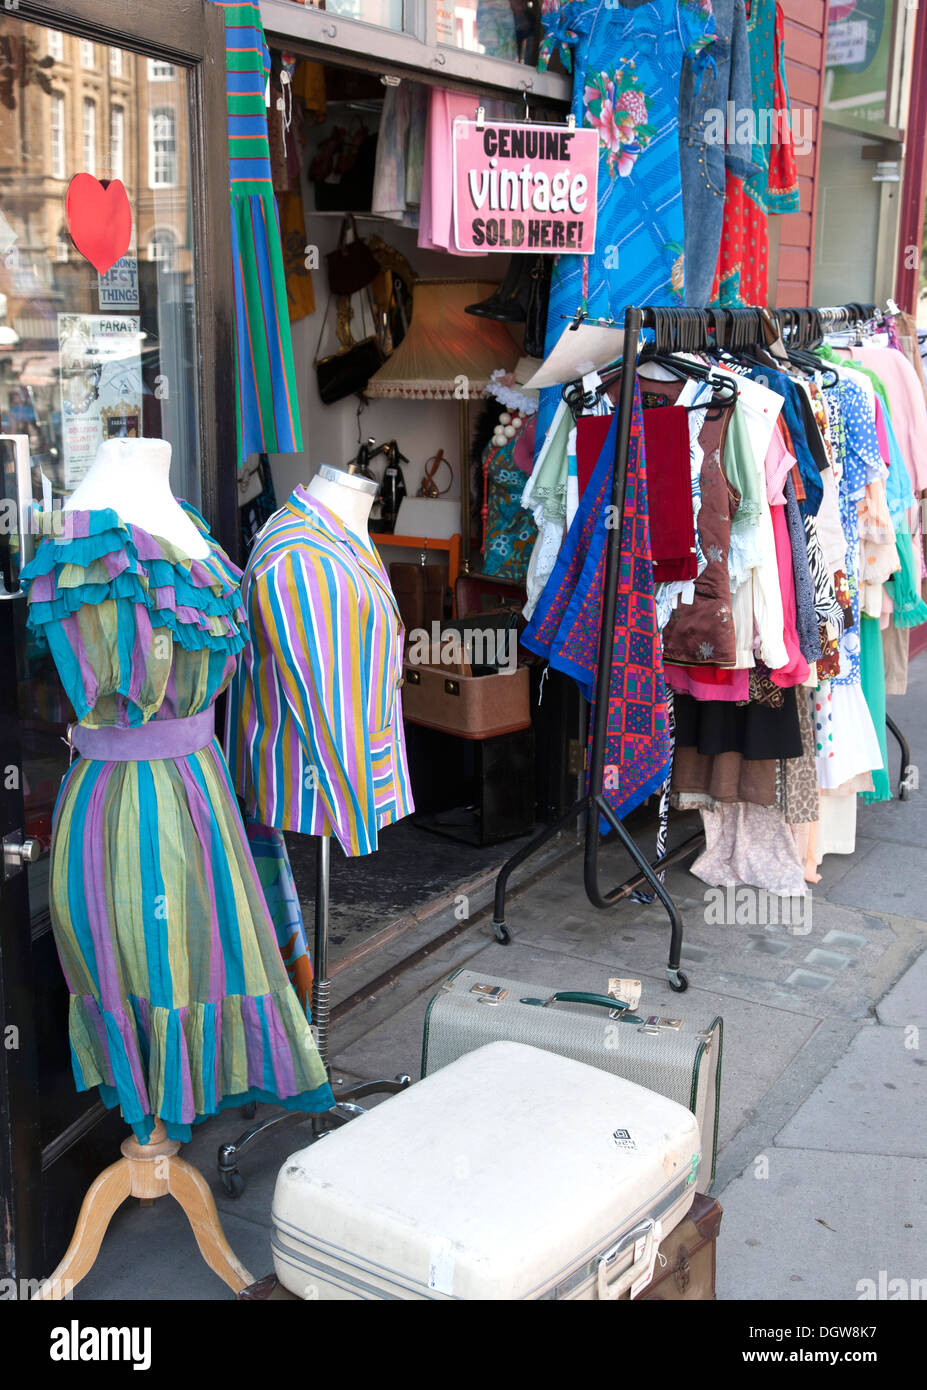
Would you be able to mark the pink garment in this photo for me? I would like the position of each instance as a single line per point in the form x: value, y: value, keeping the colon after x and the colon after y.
x: 796, y: 671
x: 686, y: 680
x: 523, y: 453
x: 881, y: 432
x: 778, y: 463
x: 906, y: 401
x: 436, y: 218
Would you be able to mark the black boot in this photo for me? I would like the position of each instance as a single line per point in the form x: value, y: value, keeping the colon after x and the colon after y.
x: 509, y: 303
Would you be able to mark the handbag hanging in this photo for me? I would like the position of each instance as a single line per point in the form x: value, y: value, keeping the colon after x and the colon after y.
x: 346, y: 372
x: 352, y: 266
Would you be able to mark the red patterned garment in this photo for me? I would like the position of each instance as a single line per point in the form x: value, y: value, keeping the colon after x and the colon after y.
x: 742, y: 273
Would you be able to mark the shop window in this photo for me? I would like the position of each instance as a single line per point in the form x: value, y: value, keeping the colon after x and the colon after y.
x: 493, y: 43
x: 90, y: 135
x: 162, y: 247
x: 162, y: 157
x: 160, y: 72
x: 87, y: 56
x: 56, y: 45
x: 56, y: 131
x: 117, y: 126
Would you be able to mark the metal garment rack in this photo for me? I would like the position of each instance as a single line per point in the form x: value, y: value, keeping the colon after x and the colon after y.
x: 679, y: 330
x: 593, y: 805
x: 346, y: 1107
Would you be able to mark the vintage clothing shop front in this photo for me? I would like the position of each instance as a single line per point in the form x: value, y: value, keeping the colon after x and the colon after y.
x: 156, y: 871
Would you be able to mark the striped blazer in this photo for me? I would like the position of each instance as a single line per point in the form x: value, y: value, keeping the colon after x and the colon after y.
x: 314, y: 728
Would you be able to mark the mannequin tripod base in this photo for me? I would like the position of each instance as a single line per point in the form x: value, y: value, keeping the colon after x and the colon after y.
x: 145, y: 1171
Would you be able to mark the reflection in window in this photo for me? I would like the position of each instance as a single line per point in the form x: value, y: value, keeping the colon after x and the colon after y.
x: 162, y: 142
x: 161, y: 247
x: 62, y: 245
x: 90, y: 136
x: 56, y: 45
x: 56, y: 130
x: 117, y: 126
x: 86, y: 54
x: 160, y: 72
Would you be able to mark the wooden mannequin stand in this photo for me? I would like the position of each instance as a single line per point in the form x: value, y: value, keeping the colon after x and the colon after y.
x: 146, y: 1171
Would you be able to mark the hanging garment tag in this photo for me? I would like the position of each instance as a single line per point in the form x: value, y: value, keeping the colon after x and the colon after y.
x: 628, y: 991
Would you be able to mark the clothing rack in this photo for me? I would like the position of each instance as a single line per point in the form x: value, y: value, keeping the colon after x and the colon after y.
x: 674, y: 330
x: 346, y: 1107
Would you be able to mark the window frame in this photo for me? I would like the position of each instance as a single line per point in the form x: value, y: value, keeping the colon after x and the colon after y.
x: 88, y: 107
x: 87, y: 49
x: 117, y: 110
x: 154, y: 115
x: 56, y: 48
x: 155, y: 76
x: 59, y: 166
x: 415, y: 49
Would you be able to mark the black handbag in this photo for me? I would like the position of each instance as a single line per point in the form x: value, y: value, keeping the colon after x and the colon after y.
x: 346, y: 373
x: 352, y: 266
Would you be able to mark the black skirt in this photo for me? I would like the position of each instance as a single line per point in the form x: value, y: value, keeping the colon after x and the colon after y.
x: 755, y: 731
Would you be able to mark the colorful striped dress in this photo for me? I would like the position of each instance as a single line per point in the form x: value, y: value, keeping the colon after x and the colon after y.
x: 315, y: 735
x: 268, y: 410
x: 180, y: 1002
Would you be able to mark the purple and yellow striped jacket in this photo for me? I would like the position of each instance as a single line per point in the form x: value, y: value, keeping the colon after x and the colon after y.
x: 314, y: 728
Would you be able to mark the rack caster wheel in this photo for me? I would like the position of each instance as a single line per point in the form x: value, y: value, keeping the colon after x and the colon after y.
x: 233, y: 1183
x: 502, y: 933
x: 678, y: 982
x: 247, y: 1111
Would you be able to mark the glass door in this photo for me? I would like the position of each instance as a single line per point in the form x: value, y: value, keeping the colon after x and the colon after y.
x: 85, y: 356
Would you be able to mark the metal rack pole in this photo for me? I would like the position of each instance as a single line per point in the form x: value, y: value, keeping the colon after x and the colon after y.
x: 345, y: 1107
x: 593, y: 804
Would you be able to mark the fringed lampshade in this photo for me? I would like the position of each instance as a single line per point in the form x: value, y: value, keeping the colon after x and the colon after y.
x: 444, y: 344
x: 447, y: 355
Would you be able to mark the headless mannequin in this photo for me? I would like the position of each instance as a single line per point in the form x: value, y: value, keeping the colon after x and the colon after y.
x: 132, y: 477
x: 348, y: 495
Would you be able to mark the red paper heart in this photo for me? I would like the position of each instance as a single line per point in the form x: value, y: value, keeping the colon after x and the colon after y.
x: 99, y: 220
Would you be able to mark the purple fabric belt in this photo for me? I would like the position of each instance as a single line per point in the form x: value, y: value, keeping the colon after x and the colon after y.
x: 159, y: 738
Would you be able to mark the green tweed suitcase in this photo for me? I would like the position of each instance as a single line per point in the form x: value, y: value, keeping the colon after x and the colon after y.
x: 674, y: 1057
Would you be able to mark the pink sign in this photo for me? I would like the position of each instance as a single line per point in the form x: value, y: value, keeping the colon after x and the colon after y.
x: 524, y: 187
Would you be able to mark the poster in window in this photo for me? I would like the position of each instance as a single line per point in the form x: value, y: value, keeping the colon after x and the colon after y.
x: 100, y: 369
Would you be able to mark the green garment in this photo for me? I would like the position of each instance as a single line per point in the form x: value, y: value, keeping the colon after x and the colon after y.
x: 872, y: 670
x: 741, y: 471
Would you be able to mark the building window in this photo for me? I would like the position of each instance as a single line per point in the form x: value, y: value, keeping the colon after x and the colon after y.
x: 87, y: 59
x: 117, y: 128
x: 161, y: 247
x: 90, y: 136
x: 160, y: 72
x: 115, y: 62
x: 56, y: 126
x: 56, y: 45
x: 62, y: 246
x: 162, y: 148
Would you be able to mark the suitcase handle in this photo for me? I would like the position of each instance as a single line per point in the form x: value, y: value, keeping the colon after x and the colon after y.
x: 640, y: 1269
x: 604, y: 1001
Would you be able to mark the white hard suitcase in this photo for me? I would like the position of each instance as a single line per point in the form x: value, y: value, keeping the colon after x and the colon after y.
x: 675, y: 1057
x: 510, y: 1174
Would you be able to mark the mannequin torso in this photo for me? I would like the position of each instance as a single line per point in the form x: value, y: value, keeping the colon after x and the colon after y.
x: 349, y: 496
x: 132, y: 477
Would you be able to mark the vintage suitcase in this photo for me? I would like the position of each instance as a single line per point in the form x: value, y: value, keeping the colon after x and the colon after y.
x: 467, y: 706
x: 683, y: 1063
x: 685, y: 1268
x: 512, y: 1173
